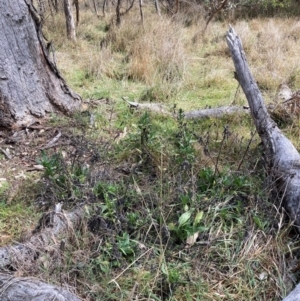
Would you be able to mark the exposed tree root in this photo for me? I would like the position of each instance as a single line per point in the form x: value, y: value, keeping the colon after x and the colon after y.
x: 30, y: 289
x: 48, y: 236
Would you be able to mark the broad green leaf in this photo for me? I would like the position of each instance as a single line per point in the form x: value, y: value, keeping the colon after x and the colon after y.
x: 183, y: 219
x: 198, y: 218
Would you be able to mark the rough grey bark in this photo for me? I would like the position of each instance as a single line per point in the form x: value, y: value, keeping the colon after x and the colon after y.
x: 215, y: 112
x: 70, y: 24
x: 283, y: 160
x: 53, y: 226
x: 30, y: 84
x: 197, y: 114
x: 30, y: 289
x: 294, y: 295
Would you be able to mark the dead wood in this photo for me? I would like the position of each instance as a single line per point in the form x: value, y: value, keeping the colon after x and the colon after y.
x: 282, y: 158
x: 6, y: 154
x: 52, y: 142
x: 154, y: 107
x: 216, y: 112
x: 294, y: 295
x: 214, y: 11
x: 196, y: 114
x: 48, y: 236
x: 52, y: 229
x: 30, y: 289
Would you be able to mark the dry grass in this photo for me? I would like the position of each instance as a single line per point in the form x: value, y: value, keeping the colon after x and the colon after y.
x: 271, y: 47
x: 158, y: 53
x: 163, y: 52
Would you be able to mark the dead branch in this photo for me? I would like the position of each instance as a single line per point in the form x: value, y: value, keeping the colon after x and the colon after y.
x: 155, y: 107
x: 282, y: 158
x: 52, y: 142
x: 216, y: 112
x: 197, y: 114
x: 214, y: 11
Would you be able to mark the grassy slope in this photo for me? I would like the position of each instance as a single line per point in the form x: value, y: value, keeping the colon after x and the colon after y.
x: 200, y: 178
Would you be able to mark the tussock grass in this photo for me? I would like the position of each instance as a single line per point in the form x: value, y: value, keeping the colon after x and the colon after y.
x: 159, y: 53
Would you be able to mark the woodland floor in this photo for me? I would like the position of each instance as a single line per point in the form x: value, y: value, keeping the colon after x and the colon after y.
x: 175, y: 209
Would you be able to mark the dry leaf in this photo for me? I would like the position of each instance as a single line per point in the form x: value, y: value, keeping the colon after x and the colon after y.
x: 190, y: 241
x: 263, y: 276
x: 38, y: 167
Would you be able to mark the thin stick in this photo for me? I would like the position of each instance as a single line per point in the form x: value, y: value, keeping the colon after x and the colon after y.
x: 114, y: 280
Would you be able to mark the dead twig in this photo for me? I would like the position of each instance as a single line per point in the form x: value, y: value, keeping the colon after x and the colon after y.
x: 52, y: 142
x: 6, y: 154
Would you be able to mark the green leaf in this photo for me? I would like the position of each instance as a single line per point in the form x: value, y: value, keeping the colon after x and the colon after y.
x: 184, y: 218
x: 164, y: 269
x: 171, y: 226
x: 198, y: 218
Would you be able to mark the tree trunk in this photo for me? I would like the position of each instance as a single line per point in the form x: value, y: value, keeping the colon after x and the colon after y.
x: 282, y: 158
x: 76, y: 4
x: 141, y: 12
x: 30, y: 289
x: 157, y: 7
x: 30, y: 84
x: 104, y: 7
x: 95, y: 7
x: 55, y: 4
x: 118, y: 13
x: 71, y: 33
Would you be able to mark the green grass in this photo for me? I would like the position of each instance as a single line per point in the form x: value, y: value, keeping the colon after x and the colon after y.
x: 15, y: 220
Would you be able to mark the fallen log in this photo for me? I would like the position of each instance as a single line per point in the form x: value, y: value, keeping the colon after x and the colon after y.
x: 196, y: 114
x: 30, y: 289
x: 282, y: 158
x: 216, y: 112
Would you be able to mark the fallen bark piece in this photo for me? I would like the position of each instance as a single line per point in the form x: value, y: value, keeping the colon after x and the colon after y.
x: 282, y: 158
x: 30, y: 289
x: 215, y: 112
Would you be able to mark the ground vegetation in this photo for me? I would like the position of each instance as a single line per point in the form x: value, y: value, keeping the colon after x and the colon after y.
x: 173, y: 209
